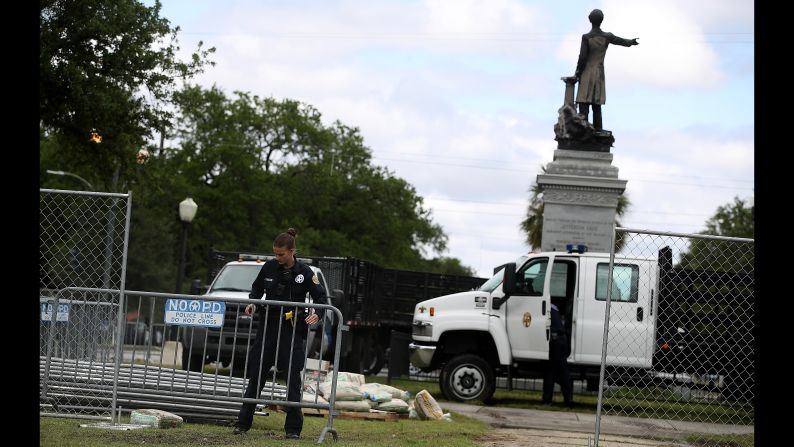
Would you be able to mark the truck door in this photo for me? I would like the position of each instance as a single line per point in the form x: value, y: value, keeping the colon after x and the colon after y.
x: 631, y: 321
x: 527, y: 311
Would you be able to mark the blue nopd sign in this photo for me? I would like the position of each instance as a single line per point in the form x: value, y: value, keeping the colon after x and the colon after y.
x: 194, y: 312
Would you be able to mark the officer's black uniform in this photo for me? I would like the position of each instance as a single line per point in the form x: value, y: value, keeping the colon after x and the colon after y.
x: 557, y: 365
x: 280, y: 284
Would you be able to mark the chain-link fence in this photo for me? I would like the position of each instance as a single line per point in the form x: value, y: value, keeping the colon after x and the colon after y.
x: 82, y: 243
x: 695, y: 295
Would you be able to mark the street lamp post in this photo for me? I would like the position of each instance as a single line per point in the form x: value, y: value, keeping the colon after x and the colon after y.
x: 187, y: 211
x: 90, y: 187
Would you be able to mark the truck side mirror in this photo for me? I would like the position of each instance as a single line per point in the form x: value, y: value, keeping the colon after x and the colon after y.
x: 508, y: 284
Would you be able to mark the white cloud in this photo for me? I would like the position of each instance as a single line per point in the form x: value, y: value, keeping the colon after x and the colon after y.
x: 673, y: 49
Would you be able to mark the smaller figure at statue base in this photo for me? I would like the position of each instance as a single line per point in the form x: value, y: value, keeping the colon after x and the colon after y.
x: 573, y: 131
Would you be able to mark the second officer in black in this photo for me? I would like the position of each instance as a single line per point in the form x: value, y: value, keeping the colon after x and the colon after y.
x: 557, y: 366
x: 282, y: 279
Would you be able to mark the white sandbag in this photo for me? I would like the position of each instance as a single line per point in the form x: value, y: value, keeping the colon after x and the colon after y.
x: 155, y: 418
x: 427, y: 407
x: 376, y: 388
x: 395, y: 405
x: 342, y: 376
x: 352, y: 405
x: 377, y: 397
x: 344, y: 391
x: 313, y: 398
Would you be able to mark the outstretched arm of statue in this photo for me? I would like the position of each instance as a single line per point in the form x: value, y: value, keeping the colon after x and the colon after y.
x: 621, y: 41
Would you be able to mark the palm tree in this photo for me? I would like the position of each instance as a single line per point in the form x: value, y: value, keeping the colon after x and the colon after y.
x: 533, y: 224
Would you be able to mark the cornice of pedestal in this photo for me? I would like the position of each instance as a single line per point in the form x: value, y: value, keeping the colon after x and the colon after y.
x: 580, y: 182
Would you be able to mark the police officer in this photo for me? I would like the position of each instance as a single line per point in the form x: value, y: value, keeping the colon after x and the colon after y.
x: 283, y: 279
x: 557, y: 366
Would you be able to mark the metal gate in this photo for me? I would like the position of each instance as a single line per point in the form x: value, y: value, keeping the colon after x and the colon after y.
x: 82, y: 243
x: 701, y: 318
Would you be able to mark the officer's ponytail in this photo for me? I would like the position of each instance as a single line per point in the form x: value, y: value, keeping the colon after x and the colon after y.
x: 286, y: 239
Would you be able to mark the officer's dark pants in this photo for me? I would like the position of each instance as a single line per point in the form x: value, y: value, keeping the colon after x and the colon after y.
x: 557, y: 370
x: 294, y: 421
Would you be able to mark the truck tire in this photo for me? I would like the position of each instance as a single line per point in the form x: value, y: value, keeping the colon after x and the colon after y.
x: 368, y: 356
x: 467, y: 377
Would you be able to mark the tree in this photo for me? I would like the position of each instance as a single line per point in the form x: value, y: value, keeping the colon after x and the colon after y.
x: 532, y: 225
x: 449, y: 266
x: 731, y: 220
x: 108, y: 67
x: 259, y: 165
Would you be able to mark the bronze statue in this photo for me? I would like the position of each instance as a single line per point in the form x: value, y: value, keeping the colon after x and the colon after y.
x: 590, y: 67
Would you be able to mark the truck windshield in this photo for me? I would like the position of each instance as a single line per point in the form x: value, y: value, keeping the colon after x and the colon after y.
x: 496, y: 279
x: 236, y: 278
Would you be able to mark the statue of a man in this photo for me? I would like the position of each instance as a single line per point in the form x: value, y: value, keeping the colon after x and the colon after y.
x: 590, y: 67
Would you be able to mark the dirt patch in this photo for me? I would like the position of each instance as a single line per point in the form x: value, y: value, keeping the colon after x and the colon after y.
x: 512, y: 437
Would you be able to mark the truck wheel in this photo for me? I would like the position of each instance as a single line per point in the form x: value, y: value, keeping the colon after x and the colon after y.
x: 371, y: 359
x: 467, y: 377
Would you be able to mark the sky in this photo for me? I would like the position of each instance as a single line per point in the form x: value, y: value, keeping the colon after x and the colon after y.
x: 460, y: 97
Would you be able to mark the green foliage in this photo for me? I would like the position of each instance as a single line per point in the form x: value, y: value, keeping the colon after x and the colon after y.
x: 257, y: 166
x: 449, y: 266
x: 731, y: 220
x: 109, y: 66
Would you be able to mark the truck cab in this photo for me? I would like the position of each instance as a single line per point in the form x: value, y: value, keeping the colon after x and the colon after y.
x: 503, y: 328
x: 234, y: 281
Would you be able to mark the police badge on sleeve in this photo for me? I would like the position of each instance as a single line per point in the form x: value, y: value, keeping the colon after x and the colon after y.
x: 315, y: 279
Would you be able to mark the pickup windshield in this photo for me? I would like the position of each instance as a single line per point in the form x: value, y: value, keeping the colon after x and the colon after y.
x: 236, y: 278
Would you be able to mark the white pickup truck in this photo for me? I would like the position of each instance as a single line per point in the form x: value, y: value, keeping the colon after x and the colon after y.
x: 502, y: 329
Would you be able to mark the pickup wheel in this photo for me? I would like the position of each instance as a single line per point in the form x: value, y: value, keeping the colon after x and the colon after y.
x: 369, y: 354
x: 467, y: 377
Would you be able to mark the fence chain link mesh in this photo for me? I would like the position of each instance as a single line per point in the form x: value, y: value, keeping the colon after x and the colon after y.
x: 82, y: 243
x: 702, y: 313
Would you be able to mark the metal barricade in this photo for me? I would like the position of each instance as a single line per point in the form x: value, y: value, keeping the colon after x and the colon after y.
x: 161, y: 377
x: 700, y: 358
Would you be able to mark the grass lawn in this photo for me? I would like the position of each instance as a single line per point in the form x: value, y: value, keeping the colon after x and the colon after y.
x: 268, y: 430
x: 462, y: 431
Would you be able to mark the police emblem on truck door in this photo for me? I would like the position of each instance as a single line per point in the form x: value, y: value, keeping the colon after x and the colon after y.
x: 527, y: 320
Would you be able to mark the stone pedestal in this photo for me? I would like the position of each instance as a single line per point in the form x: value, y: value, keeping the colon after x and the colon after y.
x: 580, y: 196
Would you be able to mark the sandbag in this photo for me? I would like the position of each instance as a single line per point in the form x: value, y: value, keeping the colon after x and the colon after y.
x: 377, y: 397
x: 155, y: 418
x: 344, y: 391
x: 377, y: 388
x: 342, y: 376
x: 395, y: 405
x: 427, y: 407
x: 313, y: 398
x: 352, y: 405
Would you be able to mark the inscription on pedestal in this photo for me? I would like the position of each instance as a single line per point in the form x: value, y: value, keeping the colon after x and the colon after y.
x: 577, y: 224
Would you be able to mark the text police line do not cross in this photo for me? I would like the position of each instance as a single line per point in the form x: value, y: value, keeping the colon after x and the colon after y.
x: 194, y: 313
